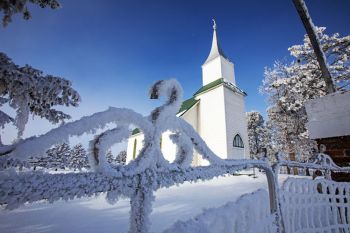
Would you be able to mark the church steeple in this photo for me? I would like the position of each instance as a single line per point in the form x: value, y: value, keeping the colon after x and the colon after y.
x: 215, y: 50
x: 217, y: 65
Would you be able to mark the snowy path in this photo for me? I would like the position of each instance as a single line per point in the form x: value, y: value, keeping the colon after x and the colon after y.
x: 97, y: 215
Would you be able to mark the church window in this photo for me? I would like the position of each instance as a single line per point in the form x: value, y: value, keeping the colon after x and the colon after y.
x: 134, y: 149
x: 238, y: 142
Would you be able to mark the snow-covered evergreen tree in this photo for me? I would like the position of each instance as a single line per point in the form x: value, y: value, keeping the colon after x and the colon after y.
x: 337, y: 51
x: 121, y: 157
x: 78, y: 158
x: 116, y: 160
x: 259, y: 137
x: 56, y: 158
x: 110, y: 157
x: 256, y: 132
x: 11, y: 7
x: 29, y: 91
x: 289, y: 86
x: 59, y: 156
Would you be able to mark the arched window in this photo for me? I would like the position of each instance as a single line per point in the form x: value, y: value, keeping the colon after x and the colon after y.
x: 238, y: 142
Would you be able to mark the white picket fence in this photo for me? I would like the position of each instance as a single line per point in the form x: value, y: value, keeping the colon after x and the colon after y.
x: 150, y: 171
x: 315, y: 206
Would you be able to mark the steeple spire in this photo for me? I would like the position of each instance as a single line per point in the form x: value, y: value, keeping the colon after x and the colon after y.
x: 215, y: 50
x: 214, y: 24
x: 217, y: 64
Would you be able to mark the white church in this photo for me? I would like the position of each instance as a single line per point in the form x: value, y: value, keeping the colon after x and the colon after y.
x: 216, y: 111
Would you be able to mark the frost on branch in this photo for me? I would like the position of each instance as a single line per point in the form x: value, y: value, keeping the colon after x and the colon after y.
x: 29, y: 91
x: 11, y: 7
x: 289, y: 85
x: 336, y: 49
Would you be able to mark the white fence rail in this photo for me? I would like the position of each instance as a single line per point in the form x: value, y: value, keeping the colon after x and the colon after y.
x: 315, y: 206
x: 148, y: 172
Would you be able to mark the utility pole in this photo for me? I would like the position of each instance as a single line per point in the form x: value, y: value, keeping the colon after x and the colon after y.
x: 310, y: 29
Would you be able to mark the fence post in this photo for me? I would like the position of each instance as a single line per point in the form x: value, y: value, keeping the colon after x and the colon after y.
x: 274, y: 199
x: 141, y: 206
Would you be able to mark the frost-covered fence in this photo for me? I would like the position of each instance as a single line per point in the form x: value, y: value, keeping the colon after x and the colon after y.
x: 232, y: 217
x: 147, y: 173
x: 319, y: 205
x: 315, y: 206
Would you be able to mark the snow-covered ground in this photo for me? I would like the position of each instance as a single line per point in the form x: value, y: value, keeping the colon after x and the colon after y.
x: 97, y: 215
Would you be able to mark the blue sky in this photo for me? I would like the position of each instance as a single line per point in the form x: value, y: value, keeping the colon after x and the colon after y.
x: 113, y: 51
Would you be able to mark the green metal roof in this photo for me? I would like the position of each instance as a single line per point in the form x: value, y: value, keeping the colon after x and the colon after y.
x: 135, y: 131
x: 217, y: 83
x: 187, y: 104
x: 209, y: 86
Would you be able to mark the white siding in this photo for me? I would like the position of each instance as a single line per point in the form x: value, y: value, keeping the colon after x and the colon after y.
x: 218, y: 68
x: 236, y: 123
x: 212, y: 124
x: 211, y: 71
x: 192, y: 117
x: 227, y: 70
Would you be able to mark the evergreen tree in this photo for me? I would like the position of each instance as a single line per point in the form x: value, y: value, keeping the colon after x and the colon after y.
x: 110, y: 157
x: 28, y: 91
x: 11, y: 7
x: 289, y: 86
x: 259, y: 136
x: 78, y: 159
x: 256, y: 132
x: 56, y: 158
x: 121, y: 157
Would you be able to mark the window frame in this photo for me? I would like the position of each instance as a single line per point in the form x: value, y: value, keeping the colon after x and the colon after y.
x: 238, y: 141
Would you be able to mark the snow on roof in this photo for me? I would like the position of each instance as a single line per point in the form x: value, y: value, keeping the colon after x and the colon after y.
x: 329, y: 116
